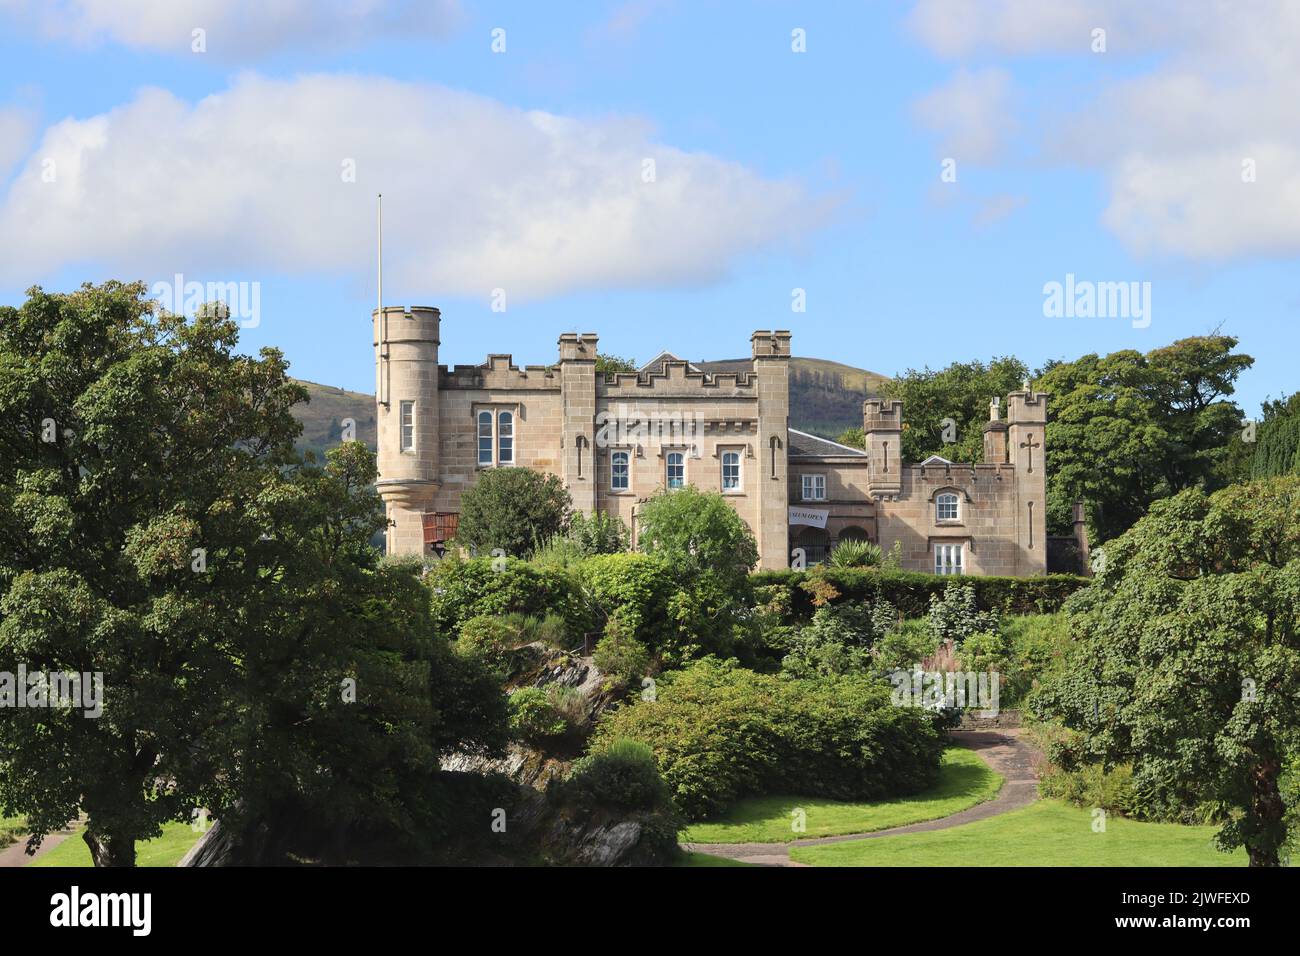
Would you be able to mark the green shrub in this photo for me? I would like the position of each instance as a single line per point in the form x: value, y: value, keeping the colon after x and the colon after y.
x: 552, y: 630
x: 910, y: 591
x: 857, y: 554
x: 535, y: 716
x: 955, y: 615
x: 635, y: 589
x: 598, y: 533
x: 620, y: 655
x: 487, y: 635
x: 512, y: 509
x: 461, y: 589
x: 622, y: 774
x: 905, y: 647
x: 720, y: 733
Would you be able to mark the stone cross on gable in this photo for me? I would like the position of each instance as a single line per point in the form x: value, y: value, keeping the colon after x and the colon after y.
x: 1029, y: 445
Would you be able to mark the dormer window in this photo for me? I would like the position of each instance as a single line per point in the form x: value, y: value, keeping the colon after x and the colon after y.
x: 946, y: 507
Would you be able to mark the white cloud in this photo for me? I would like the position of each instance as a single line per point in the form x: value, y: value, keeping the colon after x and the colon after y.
x: 1205, y: 88
x: 972, y: 114
x: 477, y: 195
x: 235, y: 29
x: 16, y: 130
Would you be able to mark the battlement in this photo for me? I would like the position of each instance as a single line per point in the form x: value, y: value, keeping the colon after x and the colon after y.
x: 676, y: 379
x: 498, y: 371
x: 773, y: 344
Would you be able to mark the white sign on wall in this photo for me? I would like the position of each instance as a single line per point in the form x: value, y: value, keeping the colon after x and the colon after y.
x: 809, y: 516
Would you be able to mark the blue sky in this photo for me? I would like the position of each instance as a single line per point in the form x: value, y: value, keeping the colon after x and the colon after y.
x: 776, y: 170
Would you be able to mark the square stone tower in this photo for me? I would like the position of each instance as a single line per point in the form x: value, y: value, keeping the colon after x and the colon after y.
x: 771, y: 358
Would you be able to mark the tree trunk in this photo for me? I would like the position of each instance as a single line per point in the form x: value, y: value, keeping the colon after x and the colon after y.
x: 110, y: 849
x: 1268, y: 810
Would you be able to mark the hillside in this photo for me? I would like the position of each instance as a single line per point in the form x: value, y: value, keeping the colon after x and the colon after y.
x: 825, y: 398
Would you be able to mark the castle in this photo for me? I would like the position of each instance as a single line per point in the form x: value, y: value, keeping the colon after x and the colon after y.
x: 616, y: 439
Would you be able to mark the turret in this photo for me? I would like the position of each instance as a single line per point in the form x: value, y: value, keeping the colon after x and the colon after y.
x: 882, y: 430
x: 770, y: 353
x: 406, y: 398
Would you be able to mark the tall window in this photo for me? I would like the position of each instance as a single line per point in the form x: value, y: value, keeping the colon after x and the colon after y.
x: 618, y: 470
x: 485, y: 438
x: 676, y: 469
x: 945, y: 507
x: 947, y: 558
x: 731, y: 471
x: 406, y: 425
x: 814, y: 487
x: 505, y: 438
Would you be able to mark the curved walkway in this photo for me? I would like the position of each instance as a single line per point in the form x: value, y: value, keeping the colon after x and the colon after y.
x: 1003, y: 750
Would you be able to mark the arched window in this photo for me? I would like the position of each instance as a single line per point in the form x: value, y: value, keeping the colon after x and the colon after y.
x: 676, y: 465
x: 731, y: 471
x: 946, y: 507
x: 485, y: 438
x: 619, y: 477
x: 505, y: 438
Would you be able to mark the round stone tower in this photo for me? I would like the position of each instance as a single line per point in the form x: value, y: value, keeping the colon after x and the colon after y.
x: 406, y: 400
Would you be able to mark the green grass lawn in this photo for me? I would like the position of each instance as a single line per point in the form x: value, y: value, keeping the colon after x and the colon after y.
x: 167, y: 850
x: 964, y: 780
x: 1046, y: 833
x: 11, y: 828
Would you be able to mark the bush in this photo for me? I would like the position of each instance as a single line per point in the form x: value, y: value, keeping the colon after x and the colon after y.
x: 697, y: 532
x: 514, y: 509
x: 620, y: 655
x: 621, y: 775
x: 488, y: 636
x: 910, y: 591
x: 636, y: 590
x: 461, y: 589
x: 857, y: 554
x: 542, y: 715
x: 598, y: 533
x: 956, y: 615
x: 719, y: 733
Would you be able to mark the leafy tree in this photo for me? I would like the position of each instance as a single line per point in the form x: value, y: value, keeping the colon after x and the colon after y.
x: 697, y: 532
x: 606, y: 364
x: 1188, y: 655
x: 853, y: 437
x: 1277, y: 440
x: 156, y: 529
x: 514, y: 509
x: 960, y: 392
x: 1127, y: 429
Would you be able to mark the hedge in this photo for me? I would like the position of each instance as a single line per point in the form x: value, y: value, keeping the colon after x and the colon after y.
x: 720, y: 733
x: 910, y: 591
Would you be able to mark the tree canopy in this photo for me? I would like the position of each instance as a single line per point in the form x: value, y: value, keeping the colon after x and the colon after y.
x: 516, y: 510
x: 1188, y: 656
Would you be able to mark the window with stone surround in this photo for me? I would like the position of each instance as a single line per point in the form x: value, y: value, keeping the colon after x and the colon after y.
x: 620, y: 477
x: 505, y: 438
x: 485, y: 438
x: 731, y: 471
x: 406, y: 426
x: 946, y: 507
x: 814, y: 487
x: 948, y: 558
x: 675, y: 463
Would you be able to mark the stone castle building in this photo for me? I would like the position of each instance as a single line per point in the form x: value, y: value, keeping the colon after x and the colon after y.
x: 616, y: 439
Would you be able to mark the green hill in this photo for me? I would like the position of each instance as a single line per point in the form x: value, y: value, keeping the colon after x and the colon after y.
x: 825, y: 398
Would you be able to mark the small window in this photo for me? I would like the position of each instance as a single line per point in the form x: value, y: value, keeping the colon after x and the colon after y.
x: 485, y: 438
x: 505, y: 438
x: 814, y: 487
x: 731, y: 471
x: 618, y: 471
x: 945, y: 507
x: 947, y: 558
x: 406, y: 414
x: 676, y: 469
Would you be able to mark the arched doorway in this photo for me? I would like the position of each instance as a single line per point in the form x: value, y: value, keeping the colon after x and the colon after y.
x: 815, y: 543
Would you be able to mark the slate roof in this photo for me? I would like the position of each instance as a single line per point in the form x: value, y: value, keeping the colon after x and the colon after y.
x: 803, y: 445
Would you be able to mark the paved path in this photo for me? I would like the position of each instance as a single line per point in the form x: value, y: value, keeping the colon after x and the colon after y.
x: 1003, y: 750
x: 15, y: 854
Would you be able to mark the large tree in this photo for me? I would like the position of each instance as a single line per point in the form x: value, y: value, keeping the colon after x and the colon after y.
x: 515, y: 510
x: 950, y: 403
x: 1127, y: 429
x: 130, y: 446
x: 156, y: 529
x: 1189, y: 656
